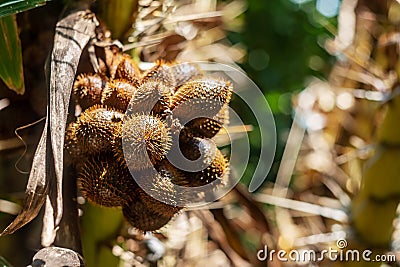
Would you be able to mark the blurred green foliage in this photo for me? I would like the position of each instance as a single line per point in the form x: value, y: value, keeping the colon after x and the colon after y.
x: 9, y: 7
x: 4, y: 263
x: 11, y: 56
x: 284, y: 41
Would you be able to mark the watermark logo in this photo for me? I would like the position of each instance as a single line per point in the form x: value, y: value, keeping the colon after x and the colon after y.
x: 342, y: 254
x: 341, y: 243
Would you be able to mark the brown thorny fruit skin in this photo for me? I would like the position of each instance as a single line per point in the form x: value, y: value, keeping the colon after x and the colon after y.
x: 170, y: 94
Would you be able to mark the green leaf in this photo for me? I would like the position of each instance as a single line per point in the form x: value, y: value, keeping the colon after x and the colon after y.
x: 4, y: 263
x: 96, y: 231
x: 11, y: 56
x: 118, y: 15
x: 10, y: 7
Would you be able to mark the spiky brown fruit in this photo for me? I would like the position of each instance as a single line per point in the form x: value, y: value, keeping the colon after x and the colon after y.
x: 108, y: 147
x: 218, y: 90
x: 104, y: 181
x: 211, y: 165
x: 198, y: 148
x: 128, y: 70
x: 109, y: 59
x: 175, y: 176
x: 95, y: 131
x: 206, y: 127
x: 151, y: 97
x: 147, y: 139
x: 143, y: 218
x: 88, y: 89
x: 160, y: 73
x: 214, y: 171
x: 200, y: 99
x: 159, y: 182
x: 202, y: 127
x: 118, y: 93
x: 74, y: 154
x: 184, y: 72
x: 157, y: 206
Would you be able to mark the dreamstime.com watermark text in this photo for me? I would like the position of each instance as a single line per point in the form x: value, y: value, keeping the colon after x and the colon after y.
x: 340, y: 254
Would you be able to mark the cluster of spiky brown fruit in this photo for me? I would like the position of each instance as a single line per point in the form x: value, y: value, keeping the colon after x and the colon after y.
x: 107, y: 147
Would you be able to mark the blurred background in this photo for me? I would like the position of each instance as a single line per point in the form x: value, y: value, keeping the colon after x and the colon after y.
x: 328, y: 70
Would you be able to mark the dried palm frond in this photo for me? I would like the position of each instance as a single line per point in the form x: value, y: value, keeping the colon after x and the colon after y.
x: 191, y: 30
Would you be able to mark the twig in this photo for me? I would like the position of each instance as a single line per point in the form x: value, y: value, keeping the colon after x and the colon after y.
x: 289, y: 157
x: 335, y: 214
x: 217, y: 234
